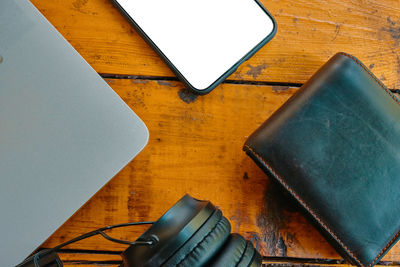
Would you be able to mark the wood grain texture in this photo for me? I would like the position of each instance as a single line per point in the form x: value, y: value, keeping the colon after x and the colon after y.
x: 195, y: 147
x: 309, y: 33
x: 195, y: 142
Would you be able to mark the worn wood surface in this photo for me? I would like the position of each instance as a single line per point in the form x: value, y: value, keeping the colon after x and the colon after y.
x: 195, y: 141
x: 195, y: 147
x: 309, y: 32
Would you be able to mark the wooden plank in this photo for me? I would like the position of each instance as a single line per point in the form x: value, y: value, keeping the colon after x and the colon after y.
x: 87, y: 259
x: 309, y: 33
x: 195, y: 147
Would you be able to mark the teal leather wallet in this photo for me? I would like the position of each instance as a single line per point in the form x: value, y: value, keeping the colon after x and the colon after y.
x: 335, y: 147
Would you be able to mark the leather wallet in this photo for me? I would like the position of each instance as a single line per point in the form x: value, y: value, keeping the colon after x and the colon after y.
x: 335, y: 147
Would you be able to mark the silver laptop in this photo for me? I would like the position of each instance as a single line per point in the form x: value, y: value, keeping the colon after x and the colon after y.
x: 63, y: 131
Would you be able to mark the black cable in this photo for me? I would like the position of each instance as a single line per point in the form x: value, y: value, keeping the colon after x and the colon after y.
x: 100, y: 231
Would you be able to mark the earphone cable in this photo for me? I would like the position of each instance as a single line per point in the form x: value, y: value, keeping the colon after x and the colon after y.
x: 100, y: 231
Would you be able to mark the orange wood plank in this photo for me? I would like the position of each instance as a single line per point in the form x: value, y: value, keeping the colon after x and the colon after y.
x: 309, y: 33
x: 195, y: 147
x: 76, y: 259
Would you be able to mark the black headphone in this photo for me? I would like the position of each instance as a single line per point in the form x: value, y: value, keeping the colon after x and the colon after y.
x: 192, y: 233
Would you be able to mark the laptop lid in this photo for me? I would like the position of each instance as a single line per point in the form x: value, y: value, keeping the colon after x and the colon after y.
x: 63, y: 131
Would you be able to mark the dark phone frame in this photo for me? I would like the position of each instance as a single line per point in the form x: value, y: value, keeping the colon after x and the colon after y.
x: 178, y: 73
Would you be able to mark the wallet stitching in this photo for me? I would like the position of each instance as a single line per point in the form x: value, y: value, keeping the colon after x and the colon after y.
x: 395, y: 99
x: 385, y: 248
x: 303, y: 203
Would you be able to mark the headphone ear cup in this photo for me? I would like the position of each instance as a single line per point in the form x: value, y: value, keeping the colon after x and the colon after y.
x: 231, y: 253
x: 251, y: 257
x: 205, y: 245
x: 171, y: 232
x: 257, y: 259
x: 237, y: 252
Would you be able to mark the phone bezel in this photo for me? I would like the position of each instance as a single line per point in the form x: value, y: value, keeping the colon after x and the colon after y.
x: 178, y: 73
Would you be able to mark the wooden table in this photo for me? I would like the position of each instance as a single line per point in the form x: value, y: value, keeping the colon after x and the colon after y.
x: 195, y: 141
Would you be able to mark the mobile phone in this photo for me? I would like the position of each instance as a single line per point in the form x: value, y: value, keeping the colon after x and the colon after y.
x: 202, y: 41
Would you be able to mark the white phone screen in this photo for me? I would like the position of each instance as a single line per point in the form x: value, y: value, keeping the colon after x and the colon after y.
x: 203, y: 39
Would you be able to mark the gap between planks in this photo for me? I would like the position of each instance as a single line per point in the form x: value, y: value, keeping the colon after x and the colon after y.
x: 162, y: 78
x: 244, y: 82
